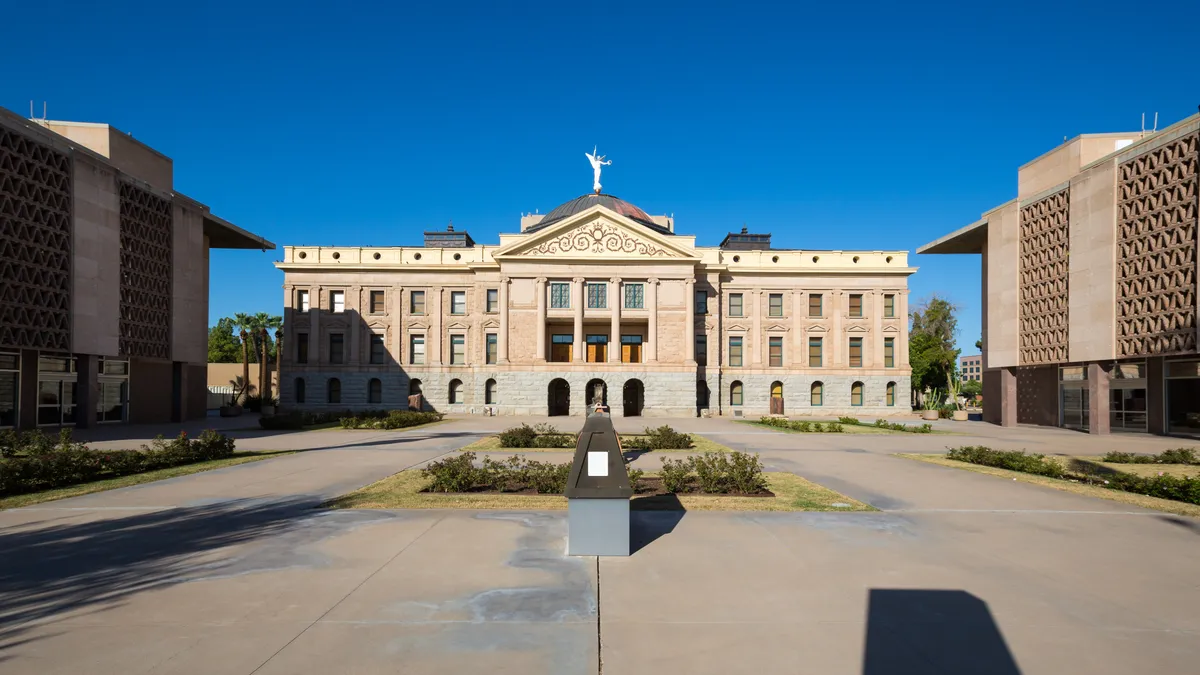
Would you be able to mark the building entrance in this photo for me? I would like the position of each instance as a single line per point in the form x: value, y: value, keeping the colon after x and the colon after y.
x: 633, y: 394
x: 1073, y: 398
x: 559, y: 396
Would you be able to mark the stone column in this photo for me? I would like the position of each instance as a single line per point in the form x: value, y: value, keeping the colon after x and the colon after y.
x: 689, y: 323
x: 578, y: 293
x: 1098, y: 400
x: 315, y: 353
x: 1008, y: 397
x: 836, y: 336
x: 614, y: 339
x: 355, y: 336
x: 397, y: 324
x: 652, y: 313
x: 902, y: 338
x: 756, y: 350
x: 502, y: 339
x: 433, y: 341
x: 540, y: 357
x: 877, y: 331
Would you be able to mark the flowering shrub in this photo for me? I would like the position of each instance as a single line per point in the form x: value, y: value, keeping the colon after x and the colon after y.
x: 34, y: 462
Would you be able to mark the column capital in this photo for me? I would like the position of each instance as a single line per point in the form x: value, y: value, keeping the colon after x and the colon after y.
x: 541, y: 280
x: 505, y: 280
x: 615, y: 280
x: 579, y: 280
x: 652, y: 280
x: 690, y: 282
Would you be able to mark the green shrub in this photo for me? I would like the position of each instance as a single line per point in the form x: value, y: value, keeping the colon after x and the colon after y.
x: 453, y: 474
x: 1164, y: 487
x: 10, y: 442
x: 803, y: 426
x: 666, y: 438
x: 1127, y: 458
x: 554, y: 441
x: 834, y: 428
x: 923, y: 429
x: 675, y: 475
x: 945, y: 412
x: 636, y: 476
x: 518, y: 437
x: 635, y: 443
x: 774, y: 421
x: 1007, y: 459
x: 1178, y: 456
x: 1173, y: 456
x: 852, y: 420
x: 515, y: 474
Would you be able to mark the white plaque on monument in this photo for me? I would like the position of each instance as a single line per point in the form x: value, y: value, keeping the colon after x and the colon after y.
x: 597, y: 464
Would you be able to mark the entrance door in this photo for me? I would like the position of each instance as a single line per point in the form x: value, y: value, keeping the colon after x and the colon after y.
x: 777, y: 398
x: 1075, y: 407
x: 559, y: 398
x: 633, y: 394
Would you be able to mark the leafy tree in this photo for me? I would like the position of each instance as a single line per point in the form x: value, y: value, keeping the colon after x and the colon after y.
x: 931, y: 350
x: 223, y: 345
x: 971, y: 389
x: 979, y: 344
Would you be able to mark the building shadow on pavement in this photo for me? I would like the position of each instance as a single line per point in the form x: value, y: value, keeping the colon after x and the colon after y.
x: 933, y: 632
x: 89, y: 567
x: 1190, y: 524
x: 651, y: 518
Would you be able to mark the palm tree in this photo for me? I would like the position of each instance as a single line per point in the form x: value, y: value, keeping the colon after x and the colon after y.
x: 242, y: 321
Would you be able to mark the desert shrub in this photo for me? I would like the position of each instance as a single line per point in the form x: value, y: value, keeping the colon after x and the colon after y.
x: 453, y: 474
x: 1178, y: 456
x: 852, y: 420
x: 635, y: 443
x: 39, y: 463
x: 1164, y: 487
x: 401, y: 419
x: 1127, y: 458
x: 1007, y: 459
x: 1173, y: 456
x: 802, y: 425
x: 545, y: 428
x: 774, y: 421
x: 923, y: 429
x: 554, y: 441
x: 675, y: 475
x: 834, y: 428
x: 945, y: 412
x: 726, y: 472
x: 636, y: 476
x: 518, y: 437
x: 666, y: 438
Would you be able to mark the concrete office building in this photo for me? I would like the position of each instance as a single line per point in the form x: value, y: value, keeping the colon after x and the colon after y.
x: 1089, y: 286
x: 597, y: 300
x: 103, y: 279
x: 970, y: 368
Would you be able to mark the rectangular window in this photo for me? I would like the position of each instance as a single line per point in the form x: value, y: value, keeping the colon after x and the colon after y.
x: 378, y: 350
x: 597, y: 296
x: 856, y: 305
x: 416, y: 349
x: 337, y: 301
x: 775, y: 352
x: 416, y: 302
x: 302, y: 301
x: 458, y: 302
x: 735, y: 304
x: 635, y: 296
x: 492, y: 347
x: 597, y: 348
x: 702, y: 302
x: 560, y: 348
x: 814, y: 305
x: 631, y: 349
x: 458, y: 350
x: 493, y: 300
x: 735, y: 351
x: 701, y: 350
x: 889, y: 352
x: 337, y: 348
x: 775, y: 304
x: 814, y: 352
x: 889, y: 306
x: 560, y: 295
x: 377, y: 306
x: 301, y: 347
x: 856, y: 352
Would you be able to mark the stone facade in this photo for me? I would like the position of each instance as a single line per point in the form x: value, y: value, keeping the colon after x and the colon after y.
x: 585, y: 274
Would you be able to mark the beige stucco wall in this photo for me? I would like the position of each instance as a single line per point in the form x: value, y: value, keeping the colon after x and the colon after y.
x: 1062, y: 163
x: 1092, y: 282
x: 96, y: 259
x: 189, y: 286
x: 221, y: 374
x: 1003, y: 281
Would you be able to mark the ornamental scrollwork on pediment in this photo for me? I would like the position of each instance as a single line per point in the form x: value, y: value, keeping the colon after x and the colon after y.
x: 598, y: 238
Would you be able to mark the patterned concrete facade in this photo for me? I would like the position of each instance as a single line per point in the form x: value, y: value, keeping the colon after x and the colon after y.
x: 680, y: 323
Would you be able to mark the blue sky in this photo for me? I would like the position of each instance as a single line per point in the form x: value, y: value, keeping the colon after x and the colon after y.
x: 869, y: 125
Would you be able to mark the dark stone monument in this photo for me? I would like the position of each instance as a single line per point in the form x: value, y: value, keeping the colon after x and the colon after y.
x: 598, y: 493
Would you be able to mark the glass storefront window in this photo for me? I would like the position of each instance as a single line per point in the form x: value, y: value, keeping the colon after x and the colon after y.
x: 1183, y: 397
x: 1072, y: 373
x: 10, y: 377
x: 1128, y: 371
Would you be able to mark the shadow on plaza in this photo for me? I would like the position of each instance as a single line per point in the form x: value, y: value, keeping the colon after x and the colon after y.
x: 911, y: 632
x: 94, y: 566
x: 652, y: 518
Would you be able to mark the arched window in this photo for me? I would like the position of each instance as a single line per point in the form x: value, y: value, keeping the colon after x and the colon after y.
x: 374, y: 391
x: 891, y: 393
x: 334, y: 390
x: 735, y: 393
x: 776, y: 390
x: 414, y: 387
x: 856, y: 394
x: 299, y: 390
x: 456, y: 391
x: 817, y: 394
x: 489, y: 392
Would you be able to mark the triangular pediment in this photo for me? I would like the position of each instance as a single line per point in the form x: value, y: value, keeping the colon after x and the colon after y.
x: 818, y: 328
x: 891, y: 329
x: 778, y: 328
x: 491, y: 323
x: 458, y: 325
x: 736, y: 326
x: 377, y: 324
x: 857, y: 329
x: 596, y: 233
x: 418, y: 325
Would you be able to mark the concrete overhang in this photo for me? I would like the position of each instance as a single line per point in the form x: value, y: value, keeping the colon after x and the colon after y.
x: 223, y: 234
x: 970, y: 239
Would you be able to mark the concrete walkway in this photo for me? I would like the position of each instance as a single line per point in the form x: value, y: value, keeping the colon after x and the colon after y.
x: 234, y: 571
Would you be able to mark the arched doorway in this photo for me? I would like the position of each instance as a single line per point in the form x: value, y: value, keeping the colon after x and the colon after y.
x: 702, y: 395
x: 633, y: 396
x: 595, y: 392
x: 559, y: 398
x: 776, y: 398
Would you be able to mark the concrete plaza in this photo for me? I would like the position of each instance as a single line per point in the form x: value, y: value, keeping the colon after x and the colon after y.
x: 234, y: 571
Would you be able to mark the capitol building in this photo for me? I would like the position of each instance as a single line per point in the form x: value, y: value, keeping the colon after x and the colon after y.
x: 597, y: 301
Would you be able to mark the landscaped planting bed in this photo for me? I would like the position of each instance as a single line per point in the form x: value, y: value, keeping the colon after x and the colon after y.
x: 548, y: 437
x: 32, y: 461
x: 360, y: 419
x: 843, y: 425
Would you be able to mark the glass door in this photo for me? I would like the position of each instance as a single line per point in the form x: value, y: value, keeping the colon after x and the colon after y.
x: 1075, y: 407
